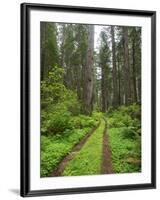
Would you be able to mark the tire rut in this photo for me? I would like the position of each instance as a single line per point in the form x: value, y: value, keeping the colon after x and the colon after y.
x: 59, y: 170
x: 107, y: 167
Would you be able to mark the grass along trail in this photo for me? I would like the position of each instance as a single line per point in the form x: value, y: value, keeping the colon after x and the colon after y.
x: 60, y: 168
x: 89, y: 159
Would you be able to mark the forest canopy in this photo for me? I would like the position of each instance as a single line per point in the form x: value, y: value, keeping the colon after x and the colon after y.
x: 100, y: 64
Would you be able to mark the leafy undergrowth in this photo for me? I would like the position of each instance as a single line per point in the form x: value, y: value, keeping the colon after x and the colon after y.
x: 125, y: 139
x: 125, y: 152
x: 62, y: 124
x: 88, y: 159
x: 55, y: 147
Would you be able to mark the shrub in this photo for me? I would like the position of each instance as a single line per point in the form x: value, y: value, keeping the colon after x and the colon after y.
x: 134, y: 110
x: 125, y: 116
x: 52, y: 88
x: 82, y: 121
x: 56, y: 120
x: 71, y: 102
x: 51, y: 154
x: 58, y: 104
x: 119, y: 120
x: 126, y: 152
x: 129, y: 132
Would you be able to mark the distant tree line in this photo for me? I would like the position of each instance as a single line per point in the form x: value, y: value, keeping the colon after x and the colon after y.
x: 120, y: 61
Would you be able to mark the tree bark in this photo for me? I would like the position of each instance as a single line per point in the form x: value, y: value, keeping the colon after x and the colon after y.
x: 134, y: 70
x: 115, y: 89
x: 43, y: 39
x: 127, y: 84
x: 88, y: 75
x: 104, y: 88
x: 119, y: 82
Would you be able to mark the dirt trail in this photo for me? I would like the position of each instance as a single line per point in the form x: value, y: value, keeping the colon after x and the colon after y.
x: 59, y: 170
x: 107, y: 167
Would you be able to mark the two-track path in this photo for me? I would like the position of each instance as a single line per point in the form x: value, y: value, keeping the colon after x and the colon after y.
x: 90, y: 156
x: 107, y: 167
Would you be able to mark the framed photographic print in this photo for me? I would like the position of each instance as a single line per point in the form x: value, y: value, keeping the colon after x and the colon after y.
x: 88, y: 99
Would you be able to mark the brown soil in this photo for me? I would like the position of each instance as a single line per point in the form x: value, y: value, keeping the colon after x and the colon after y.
x: 107, y: 167
x: 59, y: 170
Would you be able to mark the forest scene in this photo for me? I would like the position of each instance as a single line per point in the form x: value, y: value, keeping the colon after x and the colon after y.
x: 90, y: 99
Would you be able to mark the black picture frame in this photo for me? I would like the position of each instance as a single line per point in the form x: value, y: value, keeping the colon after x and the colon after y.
x: 25, y: 189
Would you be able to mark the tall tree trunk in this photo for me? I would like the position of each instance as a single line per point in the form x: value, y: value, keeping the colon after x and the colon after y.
x: 119, y: 82
x: 104, y: 88
x: 127, y: 84
x: 134, y: 70
x: 115, y: 89
x: 94, y: 99
x: 43, y: 40
x: 88, y: 74
x: 62, y: 45
x: 78, y: 81
x: 139, y: 90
